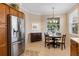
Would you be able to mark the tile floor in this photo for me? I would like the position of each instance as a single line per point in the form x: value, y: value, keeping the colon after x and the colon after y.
x: 38, y: 49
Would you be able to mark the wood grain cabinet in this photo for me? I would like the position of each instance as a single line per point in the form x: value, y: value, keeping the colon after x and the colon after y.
x: 5, y: 10
x: 13, y: 12
x: 74, y: 48
x: 21, y: 15
x: 35, y: 37
x: 78, y: 49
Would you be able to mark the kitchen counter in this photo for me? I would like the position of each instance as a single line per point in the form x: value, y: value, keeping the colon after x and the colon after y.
x: 76, y: 39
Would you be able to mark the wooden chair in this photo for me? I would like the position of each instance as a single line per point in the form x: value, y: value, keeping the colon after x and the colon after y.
x: 48, y: 41
x: 61, y: 42
x: 58, y: 34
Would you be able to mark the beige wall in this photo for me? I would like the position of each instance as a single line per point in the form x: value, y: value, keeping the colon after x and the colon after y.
x: 29, y: 19
x: 27, y: 25
x: 35, y: 19
x: 74, y: 12
x: 63, y: 19
x: 71, y: 15
x: 63, y: 24
x: 32, y: 18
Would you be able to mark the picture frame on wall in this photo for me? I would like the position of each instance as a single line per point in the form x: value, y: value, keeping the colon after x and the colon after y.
x: 36, y: 27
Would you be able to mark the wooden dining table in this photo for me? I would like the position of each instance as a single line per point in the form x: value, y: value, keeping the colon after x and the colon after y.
x: 55, y: 38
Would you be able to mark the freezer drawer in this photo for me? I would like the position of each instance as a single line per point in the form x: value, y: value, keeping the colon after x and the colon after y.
x: 17, y: 48
x: 14, y: 49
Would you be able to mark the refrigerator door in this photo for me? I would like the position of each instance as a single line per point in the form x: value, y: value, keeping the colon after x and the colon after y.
x: 14, y: 29
x: 21, y: 27
x: 21, y: 47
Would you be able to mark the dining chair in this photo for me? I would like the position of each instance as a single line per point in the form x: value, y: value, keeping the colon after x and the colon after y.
x: 58, y: 34
x: 61, y: 42
x: 48, y: 41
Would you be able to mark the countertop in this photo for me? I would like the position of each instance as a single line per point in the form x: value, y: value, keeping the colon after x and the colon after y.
x: 76, y: 39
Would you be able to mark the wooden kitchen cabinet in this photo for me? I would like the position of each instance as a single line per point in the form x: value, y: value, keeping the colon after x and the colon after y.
x: 73, y: 48
x: 16, y: 13
x: 21, y: 15
x: 2, y: 14
x: 1, y: 49
x: 3, y: 41
x: 35, y: 37
x: 3, y: 37
x: 78, y: 49
x: 13, y: 12
x: 5, y: 10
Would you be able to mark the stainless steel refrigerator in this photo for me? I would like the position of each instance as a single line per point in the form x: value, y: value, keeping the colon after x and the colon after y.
x: 16, y: 37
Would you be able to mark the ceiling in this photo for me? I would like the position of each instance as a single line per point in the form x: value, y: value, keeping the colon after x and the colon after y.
x: 46, y: 8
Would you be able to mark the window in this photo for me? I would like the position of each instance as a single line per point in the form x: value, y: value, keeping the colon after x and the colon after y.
x: 53, y: 25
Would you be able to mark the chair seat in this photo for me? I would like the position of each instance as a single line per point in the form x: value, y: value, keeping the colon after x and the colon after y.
x: 49, y: 40
x: 59, y: 41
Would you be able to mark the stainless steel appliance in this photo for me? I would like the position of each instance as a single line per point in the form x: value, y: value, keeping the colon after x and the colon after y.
x: 21, y: 34
x: 16, y: 40
x: 21, y: 28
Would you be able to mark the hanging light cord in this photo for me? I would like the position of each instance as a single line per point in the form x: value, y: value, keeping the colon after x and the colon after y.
x: 53, y: 12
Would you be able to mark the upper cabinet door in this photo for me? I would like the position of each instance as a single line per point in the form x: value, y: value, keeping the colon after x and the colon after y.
x: 13, y: 12
x: 21, y: 15
x: 4, y: 11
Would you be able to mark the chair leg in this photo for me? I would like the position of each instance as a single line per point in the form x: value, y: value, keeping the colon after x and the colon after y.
x: 49, y: 45
x: 61, y: 46
x: 56, y: 45
x: 64, y: 46
x: 45, y: 44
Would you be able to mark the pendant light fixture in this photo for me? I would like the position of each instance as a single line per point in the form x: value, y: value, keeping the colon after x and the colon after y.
x: 54, y: 19
x: 53, y: 15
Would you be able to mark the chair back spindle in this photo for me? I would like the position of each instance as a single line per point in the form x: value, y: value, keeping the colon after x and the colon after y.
x: 63, y: 38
